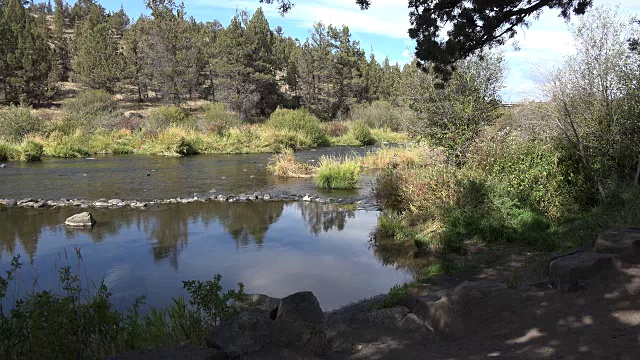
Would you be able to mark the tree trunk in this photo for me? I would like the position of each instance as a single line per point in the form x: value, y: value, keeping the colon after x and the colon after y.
x: 637, y: 173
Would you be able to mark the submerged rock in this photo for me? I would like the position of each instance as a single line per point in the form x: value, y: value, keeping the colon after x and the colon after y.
x: 84, y: 219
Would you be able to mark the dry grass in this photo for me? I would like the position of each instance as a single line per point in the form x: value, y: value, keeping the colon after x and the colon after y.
x: 286, y: 165
x: 402, y: 156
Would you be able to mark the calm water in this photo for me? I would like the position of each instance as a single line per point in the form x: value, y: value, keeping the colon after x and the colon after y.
x: 125, y: 177
x: 275, y: 248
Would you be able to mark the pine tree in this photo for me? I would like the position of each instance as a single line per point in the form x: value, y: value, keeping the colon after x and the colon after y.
x: 26, y: 54
x: 169, y: 52
x: 99, y: 62
x: 61, y: 56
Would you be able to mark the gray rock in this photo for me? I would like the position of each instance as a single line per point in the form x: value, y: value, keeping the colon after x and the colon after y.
x: 567, y: 273
x: 306, y: 198
x: 266, y: 197
x: 302, y: 336
x: 139, y: 205
x: 39, y: 204
x: 301, y: 306
x: 266, y: 304
x: 396, y: 317
x: 101, y: 203
x: 116, y: 202
x: 8, y: 202
x: 457, y: 312
x: 180, y: 352
x: 221, y: 198
x: 2, y: 166
x: 84, y: 219
x: 26, y: 201
x: 624, y: 242
x: 545, y: 267
x: 244, y: 333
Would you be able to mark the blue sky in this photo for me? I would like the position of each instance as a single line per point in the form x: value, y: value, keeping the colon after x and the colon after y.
x: 383, y: 29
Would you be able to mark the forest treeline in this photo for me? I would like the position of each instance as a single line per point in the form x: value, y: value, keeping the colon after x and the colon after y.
x: 167, y: 55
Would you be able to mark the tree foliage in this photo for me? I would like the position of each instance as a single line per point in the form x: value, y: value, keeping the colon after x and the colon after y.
x: 470, y: 25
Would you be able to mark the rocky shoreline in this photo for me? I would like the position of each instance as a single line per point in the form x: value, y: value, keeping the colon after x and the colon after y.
x: 363, y: 203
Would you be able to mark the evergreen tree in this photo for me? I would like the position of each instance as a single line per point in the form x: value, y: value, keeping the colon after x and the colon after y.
x: 61, y: 56
x: 26, y: 54
x: 98, y: 62
x: 169, y: 51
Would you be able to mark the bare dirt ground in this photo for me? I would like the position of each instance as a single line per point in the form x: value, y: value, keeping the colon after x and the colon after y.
x: 600, y: 321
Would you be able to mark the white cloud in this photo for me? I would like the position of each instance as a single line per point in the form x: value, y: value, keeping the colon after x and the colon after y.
x: 388, y: 18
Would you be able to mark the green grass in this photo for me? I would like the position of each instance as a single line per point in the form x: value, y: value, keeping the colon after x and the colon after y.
x: 335, y: 173
x: 30, y: 150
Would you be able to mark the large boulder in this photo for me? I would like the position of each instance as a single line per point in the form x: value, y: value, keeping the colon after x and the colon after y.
x: 304, y: 337
x: 244, y: 333
x: 84, y: 219
x: 301, y: 306
x: 181, y: 352
x: 467, y: 308
x: 624, y: 242
x: 570, y: 272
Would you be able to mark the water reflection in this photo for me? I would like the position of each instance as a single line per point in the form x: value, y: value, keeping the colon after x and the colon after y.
x: 273, y: 247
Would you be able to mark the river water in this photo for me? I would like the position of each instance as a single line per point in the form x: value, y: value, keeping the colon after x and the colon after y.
x: 276, y: 248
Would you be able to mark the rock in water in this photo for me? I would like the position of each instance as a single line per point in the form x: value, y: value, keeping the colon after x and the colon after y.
x: 84, y: 219
x: 2, y: 166
x: 301, y: 306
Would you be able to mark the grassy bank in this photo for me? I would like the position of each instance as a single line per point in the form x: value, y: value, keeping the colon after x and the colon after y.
x: 79, y: 321
x: 93, y: 124
x: 509, y: 190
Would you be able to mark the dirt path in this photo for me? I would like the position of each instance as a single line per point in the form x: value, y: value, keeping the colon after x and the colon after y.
x: 601, y: 321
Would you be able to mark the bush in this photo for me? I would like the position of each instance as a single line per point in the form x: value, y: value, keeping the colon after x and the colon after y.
x: 30, y: 151
x: 361, y: 132
x: 286, y: 165
x: 216, y: 119
x: 82, y: 323
x: 90, y: 110
x: 335, y: 128
x: 162, y: 117
x: 65, y: 146
x: 381, y: 114
x: 173, y: 142
x: 5, y: 151
x: 17, y: 122
x: 334, y: 173
x: 300, y: 121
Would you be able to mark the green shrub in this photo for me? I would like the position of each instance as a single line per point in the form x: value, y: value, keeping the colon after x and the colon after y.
x: 16, y: 122
x: 30, y: 151
x: 90, y: 110
x: 65, y: 146
x: 397, y: 295
x: 334, y: 173
x: 75, y: 322
x: 5, y: 151
x: 91, y: 102
x: 361, y: 132
x: 216, y: 119
x: 300, y: 121
x: 173, y: 142
x: 163, y: 117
